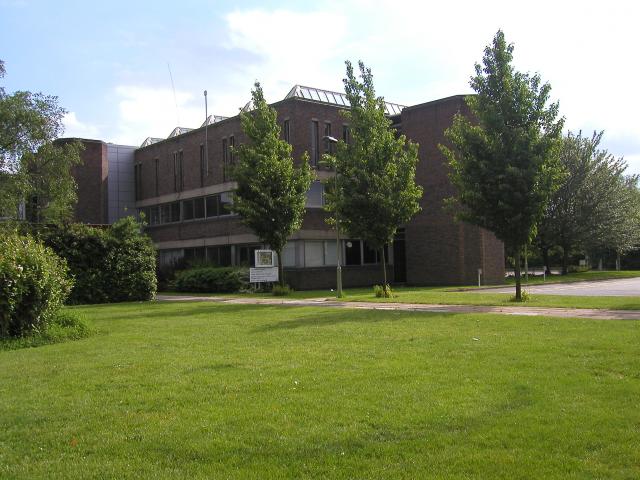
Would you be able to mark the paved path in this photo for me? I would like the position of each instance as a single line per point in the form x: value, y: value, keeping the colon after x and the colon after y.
x: 417, y: 307
x: 626, y: 287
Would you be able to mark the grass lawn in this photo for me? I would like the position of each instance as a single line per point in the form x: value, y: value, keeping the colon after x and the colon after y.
x: 203, y: 390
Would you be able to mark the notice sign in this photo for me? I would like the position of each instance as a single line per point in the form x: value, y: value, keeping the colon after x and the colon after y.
x: 265, y: 258
x: 263, y: 274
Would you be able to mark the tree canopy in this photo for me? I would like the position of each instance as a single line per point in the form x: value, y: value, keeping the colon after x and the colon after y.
x: 375, y: 172
x: 504, y: 161
x: 33, y: 169
x: 271, y: 192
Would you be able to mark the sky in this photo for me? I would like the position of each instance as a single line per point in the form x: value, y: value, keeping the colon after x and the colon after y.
x: 128, y: 70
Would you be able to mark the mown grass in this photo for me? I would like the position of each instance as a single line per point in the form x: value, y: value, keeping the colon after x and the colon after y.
x: 202, y: 390
x: 590, y: 276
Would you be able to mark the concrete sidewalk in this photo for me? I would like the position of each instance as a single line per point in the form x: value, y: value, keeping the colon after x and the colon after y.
x: 597, y: 314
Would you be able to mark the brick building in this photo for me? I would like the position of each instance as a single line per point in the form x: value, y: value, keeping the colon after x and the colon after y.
x: 184, y: 189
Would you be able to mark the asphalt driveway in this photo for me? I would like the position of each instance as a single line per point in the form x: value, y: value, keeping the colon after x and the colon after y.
x: 627, y: 287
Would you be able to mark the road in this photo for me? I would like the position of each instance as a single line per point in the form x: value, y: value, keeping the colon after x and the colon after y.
x: 627, y: 287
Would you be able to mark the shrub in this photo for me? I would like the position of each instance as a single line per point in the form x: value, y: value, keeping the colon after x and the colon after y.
x: 525, y: 297
x: 113, y: 264
x: 212, y: 280
x: 383, y: 291
x: 33, y: 284
x: 281, y: 290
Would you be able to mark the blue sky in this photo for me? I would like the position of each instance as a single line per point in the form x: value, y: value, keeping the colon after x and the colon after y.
x: 108, y: 61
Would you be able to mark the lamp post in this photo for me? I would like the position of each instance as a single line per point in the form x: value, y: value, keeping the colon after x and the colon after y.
x: 334, y: 141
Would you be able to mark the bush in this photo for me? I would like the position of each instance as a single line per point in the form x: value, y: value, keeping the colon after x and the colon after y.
x: 113, y: 264
x: 33, y: 284
x: 525, y: 297
x: 383, y: 291
x: 212, y: 280
x: 281, y: 290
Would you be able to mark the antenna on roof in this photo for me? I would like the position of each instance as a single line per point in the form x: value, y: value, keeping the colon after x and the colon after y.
x: 175, y: 100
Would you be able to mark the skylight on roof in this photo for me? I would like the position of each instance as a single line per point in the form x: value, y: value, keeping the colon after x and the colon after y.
x: 334, y: 98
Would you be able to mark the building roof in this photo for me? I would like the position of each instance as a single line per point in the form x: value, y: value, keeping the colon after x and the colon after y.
x: 334, y: 98
x: 150, y: 141
x: 213, y: 119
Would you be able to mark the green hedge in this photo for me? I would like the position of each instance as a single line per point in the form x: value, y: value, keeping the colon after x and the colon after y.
x: 113, y: 264
x: 33, y: 284
x: 212, y: 280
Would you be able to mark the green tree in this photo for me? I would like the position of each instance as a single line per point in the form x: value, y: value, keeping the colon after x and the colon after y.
x: 590, y: 209
x: 271, y: 192
x: 32, y: 168
x: 47, y: 183
x: 505, y: 163
x: 375, y: 189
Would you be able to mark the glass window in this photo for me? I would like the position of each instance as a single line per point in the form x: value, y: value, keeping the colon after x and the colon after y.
x: 165, y: 213
x: 314, y: 195
x: 224, y: 256
x: 286, y: 128
x: 175, y: 212
x: 289, y: 254
x: 187, y: 210
x: 328, y: 146
x: 212, y: 206
x: 154, y: 215
x: 198, y: 207
x: 330, y: 257
x: 315, y: 144
x: 225, y: 203
x: 352, y: 252
x: 346, y: 135
x: 313, y: 254
x: 368, y: 254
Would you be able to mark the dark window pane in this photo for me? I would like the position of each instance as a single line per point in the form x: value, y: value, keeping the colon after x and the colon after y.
x: 165, y: 213
x: 287, y: 132
x: 352, y: 252
x: 224, y: 256
x: 198, y: 207
x: 212, y: 205
x: 225, y: 203
x: 369, y: 255
x: 187, y: 210
x: 175, y: 212
x: 212, y: 255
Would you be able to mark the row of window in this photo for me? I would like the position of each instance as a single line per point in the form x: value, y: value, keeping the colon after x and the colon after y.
x: 191, y: 209
x: 297, y: 253
x: 228, y: 157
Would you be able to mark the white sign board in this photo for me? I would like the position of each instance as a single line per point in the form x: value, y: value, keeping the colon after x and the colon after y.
x: 265, y: 258
x: 263, y: 274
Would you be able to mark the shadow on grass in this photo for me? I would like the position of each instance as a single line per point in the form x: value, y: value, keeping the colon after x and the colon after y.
x: 340, y: 316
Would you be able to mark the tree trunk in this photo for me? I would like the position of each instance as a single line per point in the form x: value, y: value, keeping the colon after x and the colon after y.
x: 280, y: 268
x: 526, y: 264
x: 384, y: 270
x: 545, y: 259
x: 565, y: 260
x: 618, y: 262
x: 516, y: 270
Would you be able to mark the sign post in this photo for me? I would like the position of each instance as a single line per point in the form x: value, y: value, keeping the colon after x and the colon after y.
x: 266, y: 269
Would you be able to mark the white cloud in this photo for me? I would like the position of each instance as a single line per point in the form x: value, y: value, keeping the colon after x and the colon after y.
x: 75, y: 128
x: 153, y: 112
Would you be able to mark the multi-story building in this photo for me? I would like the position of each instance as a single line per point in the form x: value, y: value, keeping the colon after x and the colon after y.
x: 184, y: 188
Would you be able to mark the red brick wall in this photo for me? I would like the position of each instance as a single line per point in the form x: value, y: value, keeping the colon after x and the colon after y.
x: 91, y: 178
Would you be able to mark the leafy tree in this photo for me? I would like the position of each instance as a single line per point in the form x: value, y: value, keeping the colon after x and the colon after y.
x: 592, y: 207
x: 375, y: 189
x: 271, y: 193
x: 31, y: 167
x: 504, y: 163
x: 47, y: 183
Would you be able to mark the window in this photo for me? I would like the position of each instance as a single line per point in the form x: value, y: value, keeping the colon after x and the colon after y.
x: 213, y: 202
x: 232, y: 154
x: 180, y: 171
x: 315, y: 144
x: 330, y: 257
x: 165, y: 213
x: 195, y: 255
x: 315, y: 195
x: 225, y: 203
x: 154, y: 215
x: 157, y: 168
x: 369, y: 255
x: 245, y: 255
x: 220, y: 256
x: 198, y: 207
x: 346, y: 134
x: 175, y: 211
x: 313, y: 254
x: 352, y: 252
x: 137, y: 173
x: 289, y: 254
x: 286, y: 131
x: 187, y: 210
x: 225, y: 160
x: 203, y: 166
x: 328, y: 145
x: 175, y: 172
